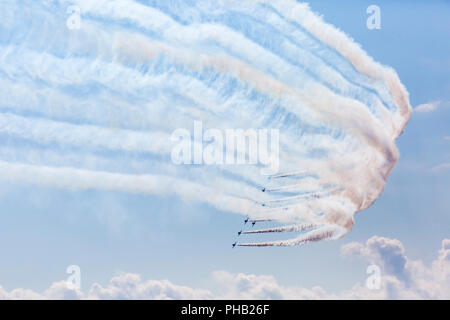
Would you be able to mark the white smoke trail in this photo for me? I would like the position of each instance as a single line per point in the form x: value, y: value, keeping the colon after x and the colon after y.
x: 312, y: 236
x: 142, y: 184
x: 95, y: 107
x: 282, y: 229
x: 259, y: 220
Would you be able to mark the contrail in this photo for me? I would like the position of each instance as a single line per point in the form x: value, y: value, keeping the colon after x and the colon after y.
x: 260, y: 220
x: 292, y: 228
x: 139, y: 184
x: 290, y: 174
x: 301, y: 196
x: 309, y: 237
x: 96, y: 107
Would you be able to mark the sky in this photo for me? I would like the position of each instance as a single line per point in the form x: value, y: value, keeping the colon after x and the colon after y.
x: 179, y: 248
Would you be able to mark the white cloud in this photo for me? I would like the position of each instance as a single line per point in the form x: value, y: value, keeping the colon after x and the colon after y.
x: 442, y: 166
x: 61, y: 290
x: 263, y: 287
x: 388, y: 253
x: 402, y: 278
x: 406, y: 278
x: 19, y: 294
x: 130, y: 286
x: 427, y: 107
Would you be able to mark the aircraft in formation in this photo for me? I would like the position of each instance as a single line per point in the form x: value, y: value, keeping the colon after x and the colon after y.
x: 253, y: 222
x: 280, y: 203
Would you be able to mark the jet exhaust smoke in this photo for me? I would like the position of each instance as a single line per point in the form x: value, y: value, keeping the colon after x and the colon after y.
x: 94, y: 105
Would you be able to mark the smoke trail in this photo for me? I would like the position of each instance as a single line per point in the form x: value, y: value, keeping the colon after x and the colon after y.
x: 282, y: 229
x: 312, y: 236
x: 140, y: 184
x: 260, y: 220
x: 95, y: 107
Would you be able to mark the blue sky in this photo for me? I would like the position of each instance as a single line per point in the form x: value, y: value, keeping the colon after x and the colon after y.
x: 45, y: 229
x: 412, y: 41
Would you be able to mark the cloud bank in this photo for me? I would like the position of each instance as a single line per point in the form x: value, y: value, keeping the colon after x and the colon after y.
x: 402, y: 278
x: 94, y: 107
